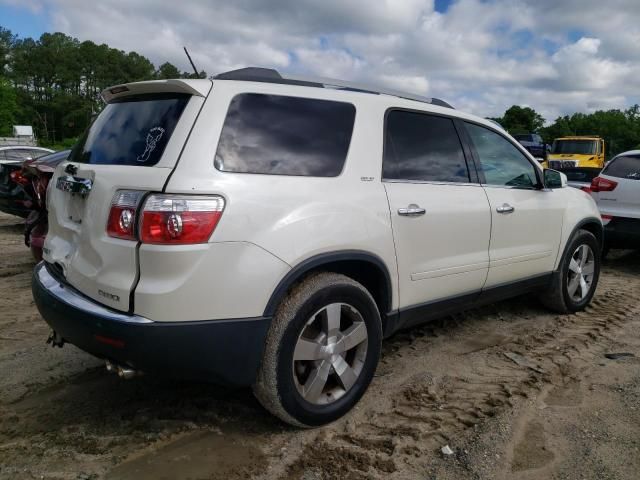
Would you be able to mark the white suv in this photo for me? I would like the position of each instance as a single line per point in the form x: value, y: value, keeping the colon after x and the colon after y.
x: 269, y: 231
x: 616, y: 190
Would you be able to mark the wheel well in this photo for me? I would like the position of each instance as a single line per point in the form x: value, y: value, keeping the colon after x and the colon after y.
x: 370, y: 276
x: 367, y: 270
x: 596, y: 229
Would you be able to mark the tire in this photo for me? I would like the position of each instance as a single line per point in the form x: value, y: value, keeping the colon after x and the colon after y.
x: 563, y: 296
x: 304, y: 326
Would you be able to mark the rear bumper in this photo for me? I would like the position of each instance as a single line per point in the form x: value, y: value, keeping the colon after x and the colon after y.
x: 221, y: 351
x: 623, y: 232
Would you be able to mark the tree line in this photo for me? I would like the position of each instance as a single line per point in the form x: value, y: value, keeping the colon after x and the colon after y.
x: 54, y: 82
x: 619, y: 128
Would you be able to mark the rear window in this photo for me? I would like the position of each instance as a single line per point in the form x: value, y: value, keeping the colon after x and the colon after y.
x: 133, y: 131
x: 624, y: 167
x: 280, y: 135
x: 20, y: 154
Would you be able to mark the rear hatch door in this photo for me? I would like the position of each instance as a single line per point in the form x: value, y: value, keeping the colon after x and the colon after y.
x: 624, y: 199
x: 133, y: 144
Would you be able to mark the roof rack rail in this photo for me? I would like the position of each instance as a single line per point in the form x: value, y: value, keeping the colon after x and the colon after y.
x: 270, y: 75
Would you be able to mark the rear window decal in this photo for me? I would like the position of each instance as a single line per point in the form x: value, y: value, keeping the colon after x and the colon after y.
x: 153, y: 137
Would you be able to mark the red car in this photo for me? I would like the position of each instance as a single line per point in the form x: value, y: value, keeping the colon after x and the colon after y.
x: 23, y: 190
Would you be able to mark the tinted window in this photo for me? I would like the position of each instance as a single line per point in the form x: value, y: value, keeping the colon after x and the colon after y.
x: 134, y: 131
x: 278, y: 135
x: 500, y: 161
x: 523, y: 138
x: 624, y: 167
x: 423, y: 147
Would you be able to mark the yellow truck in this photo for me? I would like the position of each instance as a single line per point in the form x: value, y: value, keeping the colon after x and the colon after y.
x: 576, y: 152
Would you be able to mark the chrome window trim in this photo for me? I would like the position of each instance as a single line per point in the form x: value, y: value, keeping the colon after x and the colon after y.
x: 429, y: 182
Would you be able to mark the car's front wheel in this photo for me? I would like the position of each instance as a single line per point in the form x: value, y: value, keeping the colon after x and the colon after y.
x: 576, y: 280
x: 322, y: 351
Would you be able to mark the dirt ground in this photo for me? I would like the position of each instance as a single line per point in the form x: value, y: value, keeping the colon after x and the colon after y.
x: 560, y: 410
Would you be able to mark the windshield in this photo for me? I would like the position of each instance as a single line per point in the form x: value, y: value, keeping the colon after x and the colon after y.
x: 579, y: 147
x: 133, y: 131
x: 523, y: 138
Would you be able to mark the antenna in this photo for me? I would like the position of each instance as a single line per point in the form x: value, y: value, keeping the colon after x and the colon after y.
x: 195, y: 70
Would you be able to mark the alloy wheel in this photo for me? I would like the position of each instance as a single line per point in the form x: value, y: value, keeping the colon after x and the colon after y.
x: 330, y: 353
x: 581, y: 272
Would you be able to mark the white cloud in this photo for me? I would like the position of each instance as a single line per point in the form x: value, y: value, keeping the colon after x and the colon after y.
x: 482, y: 56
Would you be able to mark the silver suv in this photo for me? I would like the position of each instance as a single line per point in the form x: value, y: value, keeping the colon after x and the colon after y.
x: 270, y: 231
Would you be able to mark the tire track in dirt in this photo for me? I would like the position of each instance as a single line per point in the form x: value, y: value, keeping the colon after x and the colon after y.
x: 15, y: 269
x: 428, y: 412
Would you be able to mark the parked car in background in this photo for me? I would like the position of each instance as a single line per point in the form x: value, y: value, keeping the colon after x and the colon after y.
x: 38, y: 172
x: 534, y: 144
x: 254, y: 230
x: 16, y: 189
x: 617, y: 193
x: 581, y: 177
x: 20, y: 153
x: 577, y: 152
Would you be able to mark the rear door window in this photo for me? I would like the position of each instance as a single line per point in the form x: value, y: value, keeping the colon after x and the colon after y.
x: 624, y: 167
x: 132, y: 131
x: 421, y: 147
x: 281, y: 135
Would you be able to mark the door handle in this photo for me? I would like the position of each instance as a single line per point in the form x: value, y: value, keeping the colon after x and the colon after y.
x: 505, y: 209
x: 412, y: 210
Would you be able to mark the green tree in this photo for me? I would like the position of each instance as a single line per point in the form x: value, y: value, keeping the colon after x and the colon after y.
x: 8, y: 107
x: 7, y: 39
x: 167, y: 70
x: 521, y: 120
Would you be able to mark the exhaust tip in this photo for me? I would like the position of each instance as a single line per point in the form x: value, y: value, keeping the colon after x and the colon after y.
x: 125, y: 373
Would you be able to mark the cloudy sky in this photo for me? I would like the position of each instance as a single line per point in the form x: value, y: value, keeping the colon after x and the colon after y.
x: 480, y: 55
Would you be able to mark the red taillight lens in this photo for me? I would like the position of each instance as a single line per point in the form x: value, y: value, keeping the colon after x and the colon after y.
x: 19, y: 178
x: 600, y: 184
x: 122, y: 216
x: 179, y: 220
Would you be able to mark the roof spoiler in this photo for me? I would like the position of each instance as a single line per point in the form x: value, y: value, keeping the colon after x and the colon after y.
x: 199, y: 88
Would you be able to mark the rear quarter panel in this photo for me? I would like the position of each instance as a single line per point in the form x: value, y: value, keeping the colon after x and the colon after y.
x: 579, y: 206
x: 295, y: 218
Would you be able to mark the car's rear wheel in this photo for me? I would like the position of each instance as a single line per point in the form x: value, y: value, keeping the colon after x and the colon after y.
x: 322, y: 351
x: 576, y: 280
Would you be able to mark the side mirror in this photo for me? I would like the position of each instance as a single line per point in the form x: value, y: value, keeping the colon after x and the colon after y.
x: 554, y: 179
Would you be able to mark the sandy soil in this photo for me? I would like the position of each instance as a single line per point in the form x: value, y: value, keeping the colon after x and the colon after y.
x: 567, y: 412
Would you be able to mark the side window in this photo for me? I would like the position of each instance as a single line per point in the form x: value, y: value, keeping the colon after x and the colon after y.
x: 280, y: 135
x: 501, y: 162
x: 422, y: 147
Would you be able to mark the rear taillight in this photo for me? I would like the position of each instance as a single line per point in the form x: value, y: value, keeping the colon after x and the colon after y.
x: 19, y: 178
x: 177, y: 219
x: 122, y: 216
x: 600, y: 184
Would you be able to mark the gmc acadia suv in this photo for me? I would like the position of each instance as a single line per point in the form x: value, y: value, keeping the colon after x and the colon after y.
x: 268, y: 231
